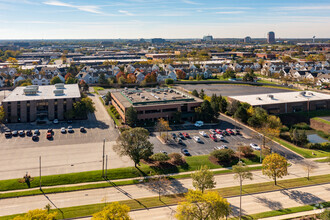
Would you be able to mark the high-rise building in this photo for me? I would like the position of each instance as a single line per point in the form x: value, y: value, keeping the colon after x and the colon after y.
x: 208, y: 38
x: 247, y: 39
x: 271, y: 37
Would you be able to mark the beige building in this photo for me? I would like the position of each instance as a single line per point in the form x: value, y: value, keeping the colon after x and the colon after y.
x: 31, y: 103
x: 152, y: 104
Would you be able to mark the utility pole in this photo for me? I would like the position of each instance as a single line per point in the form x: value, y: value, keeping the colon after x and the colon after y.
x: 40, y: 172
x: 106, y: 166
x: 103, y: 157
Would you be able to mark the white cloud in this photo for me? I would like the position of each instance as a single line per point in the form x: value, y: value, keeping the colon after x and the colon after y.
x: 126, y: 13
x: 229, y: 12
x: 191, y: 2
x: 86, y: 8
x: 319, y: 7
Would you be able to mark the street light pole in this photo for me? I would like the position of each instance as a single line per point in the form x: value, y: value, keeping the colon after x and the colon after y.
x: 106, y: 166
x: 103, y: 157
x: 40, y: 172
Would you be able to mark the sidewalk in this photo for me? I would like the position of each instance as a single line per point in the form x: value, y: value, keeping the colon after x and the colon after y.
x: 293, y: 215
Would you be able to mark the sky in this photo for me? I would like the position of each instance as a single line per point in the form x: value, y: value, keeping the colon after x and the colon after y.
x: 131, y: 19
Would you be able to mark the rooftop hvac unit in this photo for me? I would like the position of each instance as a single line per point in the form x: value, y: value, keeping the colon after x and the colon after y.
x: 58, y: 92
x: 310, y: 93
x: 302, y: 93
x: 36, y: 87
x: 258, y: 98
x: 59, y: 85
x: 270, y: 96
x: 30, y: 91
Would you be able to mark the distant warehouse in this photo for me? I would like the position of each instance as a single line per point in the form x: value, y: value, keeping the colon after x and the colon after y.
x: 152, y: 104
x: 31, y: 103
x: 287, y: 102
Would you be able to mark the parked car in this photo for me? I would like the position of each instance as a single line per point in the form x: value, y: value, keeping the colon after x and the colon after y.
x: 49, y: 135
x: 50, y: 130
x: 218, y: 131
x: 224, y: 132
x: 179, y: 140
x: 255, y: 146
x: 199, y: 123
x: 15, y: 133
x: 55, y: 121
x: 163, y: 152
x: 29, y: 133
x: 35, y: 137
x: 37, y: 132
x: 69, y: 121
x: 21, y: 133
x: 197, y: 139
x: 213, y: 137
x: 229, y: 131
x: 186, y: 135
x: 70, y: 129
x: 220, y: 147
x: 220, y: 137
x: 212, y: 131
x: 185, y: 152
x: 63, y: 130
x: 236, y: 132
x: 8, y: 133
x: 82, y: 129
x: 203, y: 133
x: 173, y: 135
x: 180, y: 135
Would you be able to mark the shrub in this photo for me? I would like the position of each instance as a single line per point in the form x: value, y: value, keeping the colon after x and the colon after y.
x: 302, y: 126
x: 191, y: 78
x: 223, y: 156
x: 159, y: 157
x: 169, y: 81
x: 318, y: 146
x: 176, y: 158
x: 246, y: 151
x: 284, y: 128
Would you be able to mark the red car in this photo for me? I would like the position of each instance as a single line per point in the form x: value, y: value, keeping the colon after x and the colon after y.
x: 49, y: 135
x: 186, y: 135
x: 218, y: 131
x: 229, y: 131
x: 213, y: 137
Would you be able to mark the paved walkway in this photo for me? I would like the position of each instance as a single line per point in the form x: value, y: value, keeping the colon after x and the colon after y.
x: 60, y: 200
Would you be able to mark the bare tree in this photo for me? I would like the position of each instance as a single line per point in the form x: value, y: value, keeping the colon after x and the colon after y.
x: 160, y: 185
x: 309, y: 166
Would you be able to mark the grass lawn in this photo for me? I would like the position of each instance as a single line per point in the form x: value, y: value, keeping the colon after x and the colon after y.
x: 97, y: 89
x: 326, y: 160
x: 192, y: 163
x: 79, y: 211
x: 321, y: 120
x: 267, y: 81
x: 116, y: 120
x: 307, y: 153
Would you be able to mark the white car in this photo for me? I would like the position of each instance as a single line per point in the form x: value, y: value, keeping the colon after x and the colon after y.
x: 199, y: 123
x: 70, y: 129
x: 63, y: 130
x: 220, y: 137
x: 212, y: 131
x: 255, y: 146
x: 197, y: 139
x: 220, y: 147
x: 203, y: 133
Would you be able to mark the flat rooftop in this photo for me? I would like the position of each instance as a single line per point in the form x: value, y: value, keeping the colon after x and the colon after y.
x: 282, y: 97
x: 148, y: 96
x: 43, y: 93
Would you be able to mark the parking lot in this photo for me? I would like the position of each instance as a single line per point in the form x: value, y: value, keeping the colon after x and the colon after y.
x: 246, y: 137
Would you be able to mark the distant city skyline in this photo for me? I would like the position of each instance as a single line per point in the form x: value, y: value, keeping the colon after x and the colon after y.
x: 128, y: 19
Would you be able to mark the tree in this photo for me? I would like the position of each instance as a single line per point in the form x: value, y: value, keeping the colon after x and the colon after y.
x: 102, y: 80
x: 195, y: 93
x: 84, y: 85
x: 241, y: 173
x: 204, y: 112
x: 224, y: 156
x: 202, y: 206
x: 229, y: 74
x: 71, y: 80
x: 233, y: 106
x: 131, y: 116
x: 169, y: 81
x: 55, y: 80
x: 88, y: 102
x: 180, y: 74
x: 107, y: 98
x: 162, y: 125
x: 308, y: 166
x: 275, y: 166
x: 202, y: 94
x: 203, y: 179
x: 39, y: 214
x: 2, y: 114
x: 113, y: 211
x: 223, y: 105
x: 160, y: 157
x: 160, y: 185
x: 134, y: 143
x: 241, y: 114
x: 24, y: 82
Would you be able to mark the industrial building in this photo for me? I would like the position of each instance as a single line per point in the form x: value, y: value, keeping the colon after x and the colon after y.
x: 155, y: 103
x: 287, y: 102
x: 33, y: 103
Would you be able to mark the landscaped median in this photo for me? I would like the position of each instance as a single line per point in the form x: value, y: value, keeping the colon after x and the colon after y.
x: 143, y: 203
x: 192, y: 163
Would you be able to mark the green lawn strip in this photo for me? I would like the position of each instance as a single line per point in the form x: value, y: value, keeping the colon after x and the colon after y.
x: 98, y: 185
x: 307, y: 153
x: 116, y: 120
x: 282, y: 212
x: 326, y: 160
x: 101, y: 100
x: 86, y: 210
x: 321, y: 120
x: 192, y: 163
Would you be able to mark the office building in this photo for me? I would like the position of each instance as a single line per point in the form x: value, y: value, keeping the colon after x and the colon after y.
x: 247, y: 40
x: 271, y: 37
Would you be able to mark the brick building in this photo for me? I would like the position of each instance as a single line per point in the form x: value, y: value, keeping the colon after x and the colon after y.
x: 287, y: 102
x: 31, y: 103
x: 152, y: 104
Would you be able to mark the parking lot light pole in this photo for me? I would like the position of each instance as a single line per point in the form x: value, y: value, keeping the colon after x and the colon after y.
x: 40, y: 172
x: 106, y: 166
x: 103, y: 157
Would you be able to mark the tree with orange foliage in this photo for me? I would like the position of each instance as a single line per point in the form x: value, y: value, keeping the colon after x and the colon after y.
x: 120, y: 74
x: 131, y: 78
x: 180, y: 74
x: 68, y: 75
